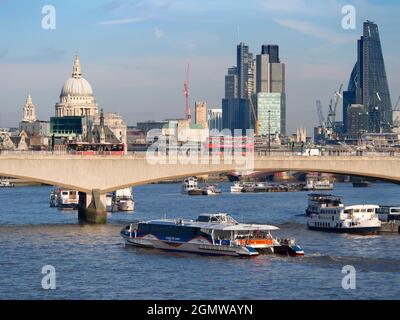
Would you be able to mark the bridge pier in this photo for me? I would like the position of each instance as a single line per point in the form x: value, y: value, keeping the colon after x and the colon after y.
x: 92, y: 207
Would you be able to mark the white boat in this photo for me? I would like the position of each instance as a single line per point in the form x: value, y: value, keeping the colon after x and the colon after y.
x: 314, y: 183
x: 361, y: 219
x: 123, y: 199
x: 217, y: 234
x: 188, y: 184
x: 5, y: 183
x: 212, y: 190
x: 237, y: 187
x: 67, y: 199
x: 318, y: 201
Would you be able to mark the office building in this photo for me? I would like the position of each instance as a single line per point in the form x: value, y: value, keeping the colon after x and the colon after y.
x: 231, y: 84
x: 368, y: 83
x: 200, y: 109
x: 270, y: 112
x: 357, y: 119
x: 270, y: 81
x: 214, y: 119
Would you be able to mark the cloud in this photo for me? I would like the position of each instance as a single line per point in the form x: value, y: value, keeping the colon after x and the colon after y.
x: 308, y: 7
x: 313, y: 30
x: 159, y: 33
x: 123, y: 21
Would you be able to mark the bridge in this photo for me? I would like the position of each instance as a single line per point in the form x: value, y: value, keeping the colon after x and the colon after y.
x: 94, y: 176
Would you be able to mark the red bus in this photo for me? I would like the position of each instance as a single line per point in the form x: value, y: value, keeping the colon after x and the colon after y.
x: 86, y: 148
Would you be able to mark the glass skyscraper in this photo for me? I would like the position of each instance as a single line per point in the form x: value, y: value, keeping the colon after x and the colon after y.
x: 368, y: 83
x: 270, y: 112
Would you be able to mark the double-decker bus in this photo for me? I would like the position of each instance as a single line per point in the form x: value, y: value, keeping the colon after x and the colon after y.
x: 86, y: 148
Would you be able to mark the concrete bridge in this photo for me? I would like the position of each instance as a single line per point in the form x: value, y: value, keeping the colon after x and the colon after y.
x: 94, y: 176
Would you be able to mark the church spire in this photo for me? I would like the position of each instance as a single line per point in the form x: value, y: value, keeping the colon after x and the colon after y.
x: 77, y: 67
x: 28, y: 100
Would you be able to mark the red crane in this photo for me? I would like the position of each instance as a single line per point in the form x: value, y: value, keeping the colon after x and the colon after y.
x: 186, y: 93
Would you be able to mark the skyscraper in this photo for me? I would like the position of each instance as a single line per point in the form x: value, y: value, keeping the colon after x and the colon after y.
x: 244, y: 60
x: 270, y: 91
x: 273, y: 51
x: 231, y: 84
x: 368, y: 83
x: 214, y: 119
x: 239, y: 86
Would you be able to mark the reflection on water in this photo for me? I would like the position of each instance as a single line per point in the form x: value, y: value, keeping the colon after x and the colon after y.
x: 92, y: 262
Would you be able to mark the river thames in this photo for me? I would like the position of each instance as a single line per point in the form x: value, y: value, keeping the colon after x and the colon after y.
x: 92, y: 262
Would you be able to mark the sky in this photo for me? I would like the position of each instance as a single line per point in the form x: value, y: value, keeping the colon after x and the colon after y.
x: 134, y: 53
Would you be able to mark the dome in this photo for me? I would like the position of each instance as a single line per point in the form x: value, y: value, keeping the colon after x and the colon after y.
x: 76, y: 87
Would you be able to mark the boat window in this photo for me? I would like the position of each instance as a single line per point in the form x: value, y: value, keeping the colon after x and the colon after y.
x: 393, y: 210
x: 370, y: 210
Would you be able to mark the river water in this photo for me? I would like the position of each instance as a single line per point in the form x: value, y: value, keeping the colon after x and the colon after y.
x: 92, y: 262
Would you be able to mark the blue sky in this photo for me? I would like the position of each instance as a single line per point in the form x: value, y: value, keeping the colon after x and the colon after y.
x: 134, y: 53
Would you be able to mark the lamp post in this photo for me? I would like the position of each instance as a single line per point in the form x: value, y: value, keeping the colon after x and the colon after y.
x: 269, y: 132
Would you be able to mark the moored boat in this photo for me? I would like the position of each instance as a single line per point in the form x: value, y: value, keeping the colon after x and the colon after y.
x: 315, y: 183
x: 360, y: 219
x: 188, y: 184
x: 237, y: 187
x: 5, y: 183
x: 318, y: 201
x: 67, y: 199
x: 123, y: 200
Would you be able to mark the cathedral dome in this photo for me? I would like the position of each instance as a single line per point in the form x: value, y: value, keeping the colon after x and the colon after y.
x: 77, y: 86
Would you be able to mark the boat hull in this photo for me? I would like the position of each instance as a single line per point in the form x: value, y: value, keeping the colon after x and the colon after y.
x: 191, y: 247
x: 356, y: 230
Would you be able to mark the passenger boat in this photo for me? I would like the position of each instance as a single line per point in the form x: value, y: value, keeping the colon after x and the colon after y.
x: 318, y: 201
x: 188, y: 184
x: 67, y: 199
x: 5, y: 183
x: 237, y: 187
x: 123, y: 200
x: 217, y: 234
x: 390, y: 218
x: 361, y: 219
x: 314, y: 183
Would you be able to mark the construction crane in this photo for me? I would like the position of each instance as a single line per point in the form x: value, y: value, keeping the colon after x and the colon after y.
x: 186, y: 93
x: 321, y: 117
x: 331, y: 119
x: 254, y: 113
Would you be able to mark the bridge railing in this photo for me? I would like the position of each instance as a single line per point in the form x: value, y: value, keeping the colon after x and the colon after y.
x: 332, y: 154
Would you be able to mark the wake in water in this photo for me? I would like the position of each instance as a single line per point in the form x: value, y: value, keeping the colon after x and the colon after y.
x: 363, y: 264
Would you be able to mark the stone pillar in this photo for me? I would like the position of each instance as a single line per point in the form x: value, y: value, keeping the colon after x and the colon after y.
x: 92, y: 207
